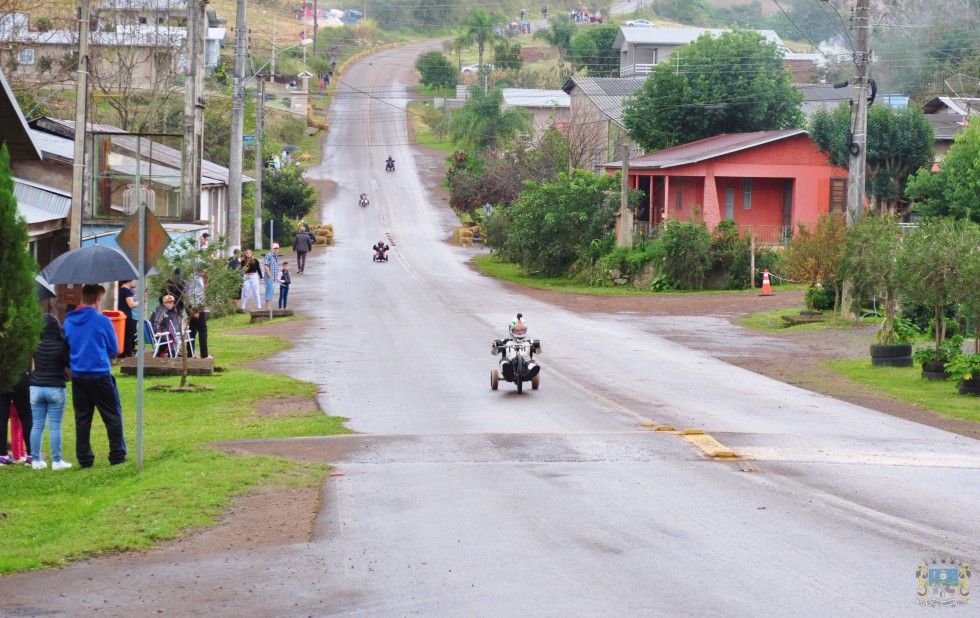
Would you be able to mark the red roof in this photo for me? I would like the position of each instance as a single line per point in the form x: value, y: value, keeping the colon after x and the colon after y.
x: 708, y: 148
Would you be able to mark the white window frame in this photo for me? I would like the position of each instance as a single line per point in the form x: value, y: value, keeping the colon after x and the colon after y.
x: 26, y: 56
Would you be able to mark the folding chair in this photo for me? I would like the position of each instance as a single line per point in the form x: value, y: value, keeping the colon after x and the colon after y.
x: 157, y: 341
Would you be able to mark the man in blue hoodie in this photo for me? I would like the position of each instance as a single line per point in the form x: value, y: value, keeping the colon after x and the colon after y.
x: 91, y: 346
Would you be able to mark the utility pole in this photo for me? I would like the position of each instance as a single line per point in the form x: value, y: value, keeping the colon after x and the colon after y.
x: 259, y: 127
x: 316, y: 23
x: 624, y: 218
x: 859, y: 115
x: 81, y: 112
x: 202, y: 20
x: 190, y: 114
x: 858, y: 139
x: 237, y: 132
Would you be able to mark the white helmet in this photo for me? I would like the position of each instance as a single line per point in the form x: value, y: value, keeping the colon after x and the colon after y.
x: 517, y: 328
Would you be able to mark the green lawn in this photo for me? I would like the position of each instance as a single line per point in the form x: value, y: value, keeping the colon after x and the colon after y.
x: 906, y: 383
x: 493, y: 266
x: 424, y: 136
x: 47, y: 518
x: 773, y: 320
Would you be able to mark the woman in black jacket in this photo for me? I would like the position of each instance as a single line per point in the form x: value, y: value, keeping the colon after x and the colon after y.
x: 48, y: 393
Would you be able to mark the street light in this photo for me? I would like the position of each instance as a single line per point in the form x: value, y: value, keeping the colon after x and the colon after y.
x: 259, y: 127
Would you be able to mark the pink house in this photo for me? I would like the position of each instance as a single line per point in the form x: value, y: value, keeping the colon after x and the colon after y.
x: 767, y: 182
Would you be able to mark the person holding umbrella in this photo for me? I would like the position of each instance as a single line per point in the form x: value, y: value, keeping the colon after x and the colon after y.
x: 91, y: 344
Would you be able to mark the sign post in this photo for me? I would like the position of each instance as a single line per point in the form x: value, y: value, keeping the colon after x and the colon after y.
x: 143, y: 240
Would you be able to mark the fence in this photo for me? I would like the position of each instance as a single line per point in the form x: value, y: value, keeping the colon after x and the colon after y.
x: 775, y: 235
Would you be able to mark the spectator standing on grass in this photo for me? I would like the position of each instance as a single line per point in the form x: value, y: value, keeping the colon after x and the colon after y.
x: 302, y: 246
x: 91, y: 344
x: 235, y: 261
x: 20, y: 397
x: 284, y: 281
x: 48, y: 393
x: 126, y: 303
x: 270, y: 270
x: 250, y: 287
x: 197, y: 318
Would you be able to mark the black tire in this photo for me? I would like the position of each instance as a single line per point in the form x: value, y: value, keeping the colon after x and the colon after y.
x: 934, y: 375
x: 536, y: 381
x: 892, y: 361
x: 520, y: 386
x: 494, y: 379
x: 970, y: 387
x: 891, y: 350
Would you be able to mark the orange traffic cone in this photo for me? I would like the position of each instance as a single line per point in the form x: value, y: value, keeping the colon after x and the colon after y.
x: 766, y: 286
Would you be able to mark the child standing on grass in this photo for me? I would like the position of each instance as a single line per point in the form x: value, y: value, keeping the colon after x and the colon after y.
x: 284, y: 281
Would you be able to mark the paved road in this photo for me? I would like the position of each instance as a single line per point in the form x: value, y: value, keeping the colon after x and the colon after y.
x: 456, y: 500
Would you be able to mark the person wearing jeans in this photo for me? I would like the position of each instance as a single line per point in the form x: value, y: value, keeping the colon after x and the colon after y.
x: 48, y: 393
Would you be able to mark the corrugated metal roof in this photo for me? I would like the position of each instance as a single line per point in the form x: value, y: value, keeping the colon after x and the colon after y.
x: 671, y: 35
x: 946, y: 126
x: 13, y: 128
x: 39, y: 203
x: 533, y: 97
x: 607, y: 93
x: 708, y: 148
x: 63, y: 146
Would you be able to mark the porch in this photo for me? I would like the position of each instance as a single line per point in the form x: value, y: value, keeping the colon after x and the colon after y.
x: 761, y: 207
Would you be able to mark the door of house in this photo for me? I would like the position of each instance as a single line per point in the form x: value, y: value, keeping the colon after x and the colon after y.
x: 730, y: 203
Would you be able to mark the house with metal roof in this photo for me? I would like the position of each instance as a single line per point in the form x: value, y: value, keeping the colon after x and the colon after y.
x: 767, y: 182
x: 549, y: 108
x: 640, y: 49
x: 948, y: 117
x: 115, y: 157
x: 44, y: 208
x: 595, y: 126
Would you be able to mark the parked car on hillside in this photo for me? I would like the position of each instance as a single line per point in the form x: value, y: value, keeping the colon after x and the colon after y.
x: 640, y: 22
x: 475, y: 68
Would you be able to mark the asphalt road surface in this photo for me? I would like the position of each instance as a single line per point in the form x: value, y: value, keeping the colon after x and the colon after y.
x: 459, y: 501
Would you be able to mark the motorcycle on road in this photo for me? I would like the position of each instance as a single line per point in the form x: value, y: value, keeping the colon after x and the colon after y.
x: 516, y: 363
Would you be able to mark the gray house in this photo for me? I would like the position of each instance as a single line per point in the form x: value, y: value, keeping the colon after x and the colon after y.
x: 641, y: 48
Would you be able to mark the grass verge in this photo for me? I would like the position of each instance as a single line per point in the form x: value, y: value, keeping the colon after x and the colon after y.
x: 906, y: 383
x: 49, y: 518
x: 493, y: 266
x: 422, y: 134
x: 773, y: 321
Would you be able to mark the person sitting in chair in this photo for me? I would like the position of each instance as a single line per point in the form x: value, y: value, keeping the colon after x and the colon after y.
x: 165, y: 321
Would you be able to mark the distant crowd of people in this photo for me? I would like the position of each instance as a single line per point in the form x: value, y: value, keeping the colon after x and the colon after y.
x: 262, y: 277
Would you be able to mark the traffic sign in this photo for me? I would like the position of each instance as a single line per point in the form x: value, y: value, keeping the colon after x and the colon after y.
x: 157, y: 239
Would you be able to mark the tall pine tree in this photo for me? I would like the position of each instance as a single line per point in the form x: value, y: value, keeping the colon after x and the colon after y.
x: 20, y: 314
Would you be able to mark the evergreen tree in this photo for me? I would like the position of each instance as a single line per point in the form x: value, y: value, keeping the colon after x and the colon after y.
x: 20, y: 314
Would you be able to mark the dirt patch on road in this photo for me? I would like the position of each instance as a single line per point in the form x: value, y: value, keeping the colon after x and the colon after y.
x: 285, y: 406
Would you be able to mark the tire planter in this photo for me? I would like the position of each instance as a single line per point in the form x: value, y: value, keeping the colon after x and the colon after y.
x: 934, y: 370
x: 894, y: 355
x: 970, y: 387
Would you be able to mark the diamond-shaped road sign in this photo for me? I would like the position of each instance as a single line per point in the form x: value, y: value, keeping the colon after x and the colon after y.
x: 157, y: 239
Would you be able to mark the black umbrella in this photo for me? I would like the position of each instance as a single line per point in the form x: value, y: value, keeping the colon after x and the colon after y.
x: 91, y: 264
x: 44, y: 289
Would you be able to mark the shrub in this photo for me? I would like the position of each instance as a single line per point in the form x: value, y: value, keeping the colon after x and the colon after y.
x: 495, y: 228
x: 950, y: 349
x: 767, y: 259
x: 817, y: 298
x: 964, y: 367
x: 687, y: 253
x: 436, y: 70
x: 730, y: 256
